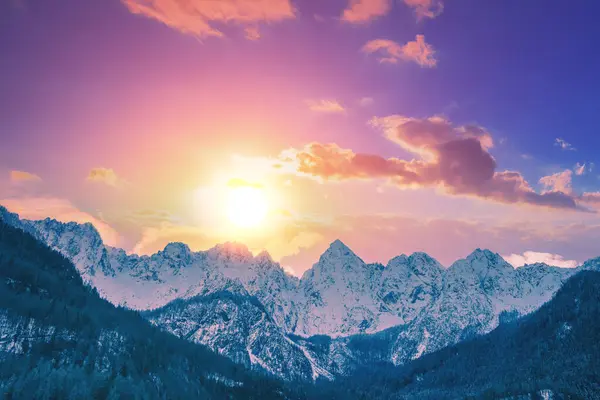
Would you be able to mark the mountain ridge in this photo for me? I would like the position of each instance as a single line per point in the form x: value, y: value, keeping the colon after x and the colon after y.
x: 413, y: 302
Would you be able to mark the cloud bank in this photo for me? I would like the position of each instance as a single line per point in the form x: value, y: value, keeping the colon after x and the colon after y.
x: 454, y: 159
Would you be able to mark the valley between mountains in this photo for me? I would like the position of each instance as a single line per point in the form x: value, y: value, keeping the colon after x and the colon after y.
x: 342, y: 315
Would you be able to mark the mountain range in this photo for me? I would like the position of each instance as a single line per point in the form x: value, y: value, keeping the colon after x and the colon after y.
x: 60, y: 340
x: 341, y: 316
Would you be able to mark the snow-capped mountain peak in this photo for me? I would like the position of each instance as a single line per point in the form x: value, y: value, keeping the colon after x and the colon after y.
x: 178, y: 251
x: 339, y: 296
x: 230, y: 252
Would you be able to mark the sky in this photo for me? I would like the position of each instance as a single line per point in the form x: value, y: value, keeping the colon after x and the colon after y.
x: 396, y: 126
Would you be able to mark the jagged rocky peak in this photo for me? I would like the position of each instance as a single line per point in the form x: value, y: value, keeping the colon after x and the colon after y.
x: 339, y: 256
x: 482, y: 262
x: 418, y: 263
x: 264, y: 258
x: 591, y: 265
x: 338, y: 249
x: 177, y: 250
x: 231, y: 251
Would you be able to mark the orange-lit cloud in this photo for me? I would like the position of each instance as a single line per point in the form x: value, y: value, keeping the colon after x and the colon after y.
x: 417, y: 51
x: 453, y: 159
x: 200, y: 17
x: 36, y: 208
x: 362, y: 11
x: 559, y: 182
x: 104, y: 175
x: 22, y: 176
x: 326, y: 106
x: 426, y: 8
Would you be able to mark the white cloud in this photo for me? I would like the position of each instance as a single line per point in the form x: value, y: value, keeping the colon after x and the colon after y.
x: 532, y: 257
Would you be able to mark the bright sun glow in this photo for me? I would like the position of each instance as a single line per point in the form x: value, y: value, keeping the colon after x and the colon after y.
x: 247, y: 206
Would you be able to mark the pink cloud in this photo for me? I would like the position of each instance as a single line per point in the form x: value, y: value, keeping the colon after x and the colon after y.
x: 453, y: 159
x: 362, y: 11
x: 559, y: 182
x: 36, y: 208
x: 426, y: 8
x: 417, y: 51
x: 200, y: 17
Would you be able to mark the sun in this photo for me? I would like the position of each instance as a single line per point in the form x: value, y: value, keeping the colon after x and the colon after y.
x: 247, y: 206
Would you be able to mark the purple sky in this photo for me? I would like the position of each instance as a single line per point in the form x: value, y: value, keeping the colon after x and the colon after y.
x: 390, y: 125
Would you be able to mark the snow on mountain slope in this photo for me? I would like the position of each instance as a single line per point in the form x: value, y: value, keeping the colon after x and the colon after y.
x: 237, y: 325
x: 477, y: 292
x: 339, y: 296
x: 409, y: 284
x: 411, y: 307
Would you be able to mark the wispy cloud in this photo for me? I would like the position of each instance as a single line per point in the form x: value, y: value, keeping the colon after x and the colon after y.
x: 326, y: 106
x: 366, y: 101
x: 426, y: 8
x: 563, y: 144
x: 104, y: 175
x: 532, y: 257
x: 23, y: 176
x: 200, y: 17
x: 363, y: 11
x: 582, y: 169
x: 389, y: 51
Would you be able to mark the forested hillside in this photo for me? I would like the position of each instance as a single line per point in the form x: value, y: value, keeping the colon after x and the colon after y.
x: 554, y: 351
x: 59, y: 340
